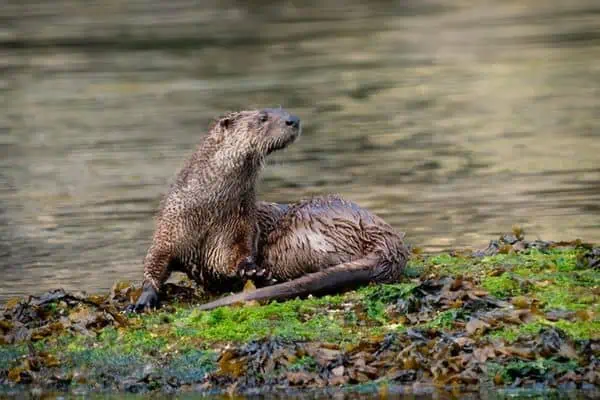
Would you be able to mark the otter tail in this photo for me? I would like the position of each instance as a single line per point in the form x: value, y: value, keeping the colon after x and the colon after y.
x: 332, y: 279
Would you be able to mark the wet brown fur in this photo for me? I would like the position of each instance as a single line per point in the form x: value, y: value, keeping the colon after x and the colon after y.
x: 206, y: 225
x: 322, y: 245
x: 211, y: 227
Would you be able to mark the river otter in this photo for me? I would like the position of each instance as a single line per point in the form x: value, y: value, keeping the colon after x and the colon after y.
x: 211, y: 227
x: 207, y: 225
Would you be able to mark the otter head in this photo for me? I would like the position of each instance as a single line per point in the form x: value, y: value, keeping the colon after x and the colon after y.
x: 259, y: 132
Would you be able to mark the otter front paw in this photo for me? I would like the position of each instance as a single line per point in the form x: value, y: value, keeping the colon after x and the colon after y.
x: 248, y: 270
x: 147, y: 300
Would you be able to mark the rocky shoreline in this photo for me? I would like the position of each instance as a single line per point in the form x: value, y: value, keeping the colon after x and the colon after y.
x: 516, y: 316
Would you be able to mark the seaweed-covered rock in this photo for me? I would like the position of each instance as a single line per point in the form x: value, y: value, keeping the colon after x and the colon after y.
x: 519, y: 315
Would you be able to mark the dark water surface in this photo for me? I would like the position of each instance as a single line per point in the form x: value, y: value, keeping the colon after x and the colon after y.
x: 453, y: 120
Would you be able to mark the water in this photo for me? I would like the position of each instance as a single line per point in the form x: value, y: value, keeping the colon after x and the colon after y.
x: 453, y: 120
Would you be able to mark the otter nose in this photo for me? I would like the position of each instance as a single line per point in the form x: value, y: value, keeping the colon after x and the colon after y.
x: 292, y: 120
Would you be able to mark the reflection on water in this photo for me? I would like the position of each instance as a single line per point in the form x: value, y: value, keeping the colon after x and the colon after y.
x: 452, y: 120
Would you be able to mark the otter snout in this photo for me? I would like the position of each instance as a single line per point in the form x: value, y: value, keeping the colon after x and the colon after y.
x: 282, y: 115
x: 293, y: 121
x: 281, y: 129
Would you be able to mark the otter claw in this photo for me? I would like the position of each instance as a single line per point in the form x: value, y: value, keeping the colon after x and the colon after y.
x: 147, y: 300
x: 247, y: 268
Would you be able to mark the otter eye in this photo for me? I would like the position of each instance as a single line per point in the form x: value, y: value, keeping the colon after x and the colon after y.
x: 264, y: 118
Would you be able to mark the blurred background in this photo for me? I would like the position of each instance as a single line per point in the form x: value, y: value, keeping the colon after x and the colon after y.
x: 451, y: 119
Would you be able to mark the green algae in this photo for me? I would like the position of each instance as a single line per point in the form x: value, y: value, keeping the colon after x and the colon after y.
x: 376, y: 298
x: 511, y: 333
x: 580, y: 330
x: 141, y: 341
x: 509, y: 372
x: 10, y: 354
x: 304, y: 363
x: 191, y: 366
x: 292, y: 320
x: 444, y: 320
x: 555, y: 278
x: 103, y: 360
x: 503, y: 286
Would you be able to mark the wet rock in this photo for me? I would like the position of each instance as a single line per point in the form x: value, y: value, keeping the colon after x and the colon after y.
x: 338, y: 380
x: 590, y: 259
x: 299, y: 378
x: 519, y: 246
x: 338, y: 371
x: 512, y: 242
x: 509, y: 239
x: 476, y: 326
x: 549, y: 342
x: 406, y: 306
x: 133, y: 385
x: 324, y: 356
x: 19, y: 334
x: 591, y: 349
x: 492, y: 249
x: 542, y: 245
x: 403, y: 376
x: 24, y: 313
x: 49, y: 297
x: 60, y: 382
x: 149, y: 373
x: 556, y: 315
x: 417, y: 335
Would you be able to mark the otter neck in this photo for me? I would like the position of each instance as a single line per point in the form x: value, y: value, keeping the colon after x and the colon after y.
x: 232, y: 176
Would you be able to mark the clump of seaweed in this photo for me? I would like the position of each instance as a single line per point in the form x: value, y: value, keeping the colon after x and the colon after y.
x: 517, y: 314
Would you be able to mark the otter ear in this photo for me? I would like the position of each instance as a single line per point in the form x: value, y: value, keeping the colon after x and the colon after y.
x: 225, y: 123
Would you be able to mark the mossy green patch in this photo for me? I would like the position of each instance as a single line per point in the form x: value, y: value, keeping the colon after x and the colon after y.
x: 512, y: 333
x: 520, y: 368
x: 10, y: 354
x: 414, y: 269
x: 566, y: 298
x: 377, y: 297
x: 191, y: 366
x: 580, y: 329
x: 293, y: 320
x: 444, y: 320
x: 141, y: 341
x: 105, y: 361
x: 555, y: 277
x: 535, y: 260
x: 443, y: 264
x: 502, y: 286
x: 306, y: 363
